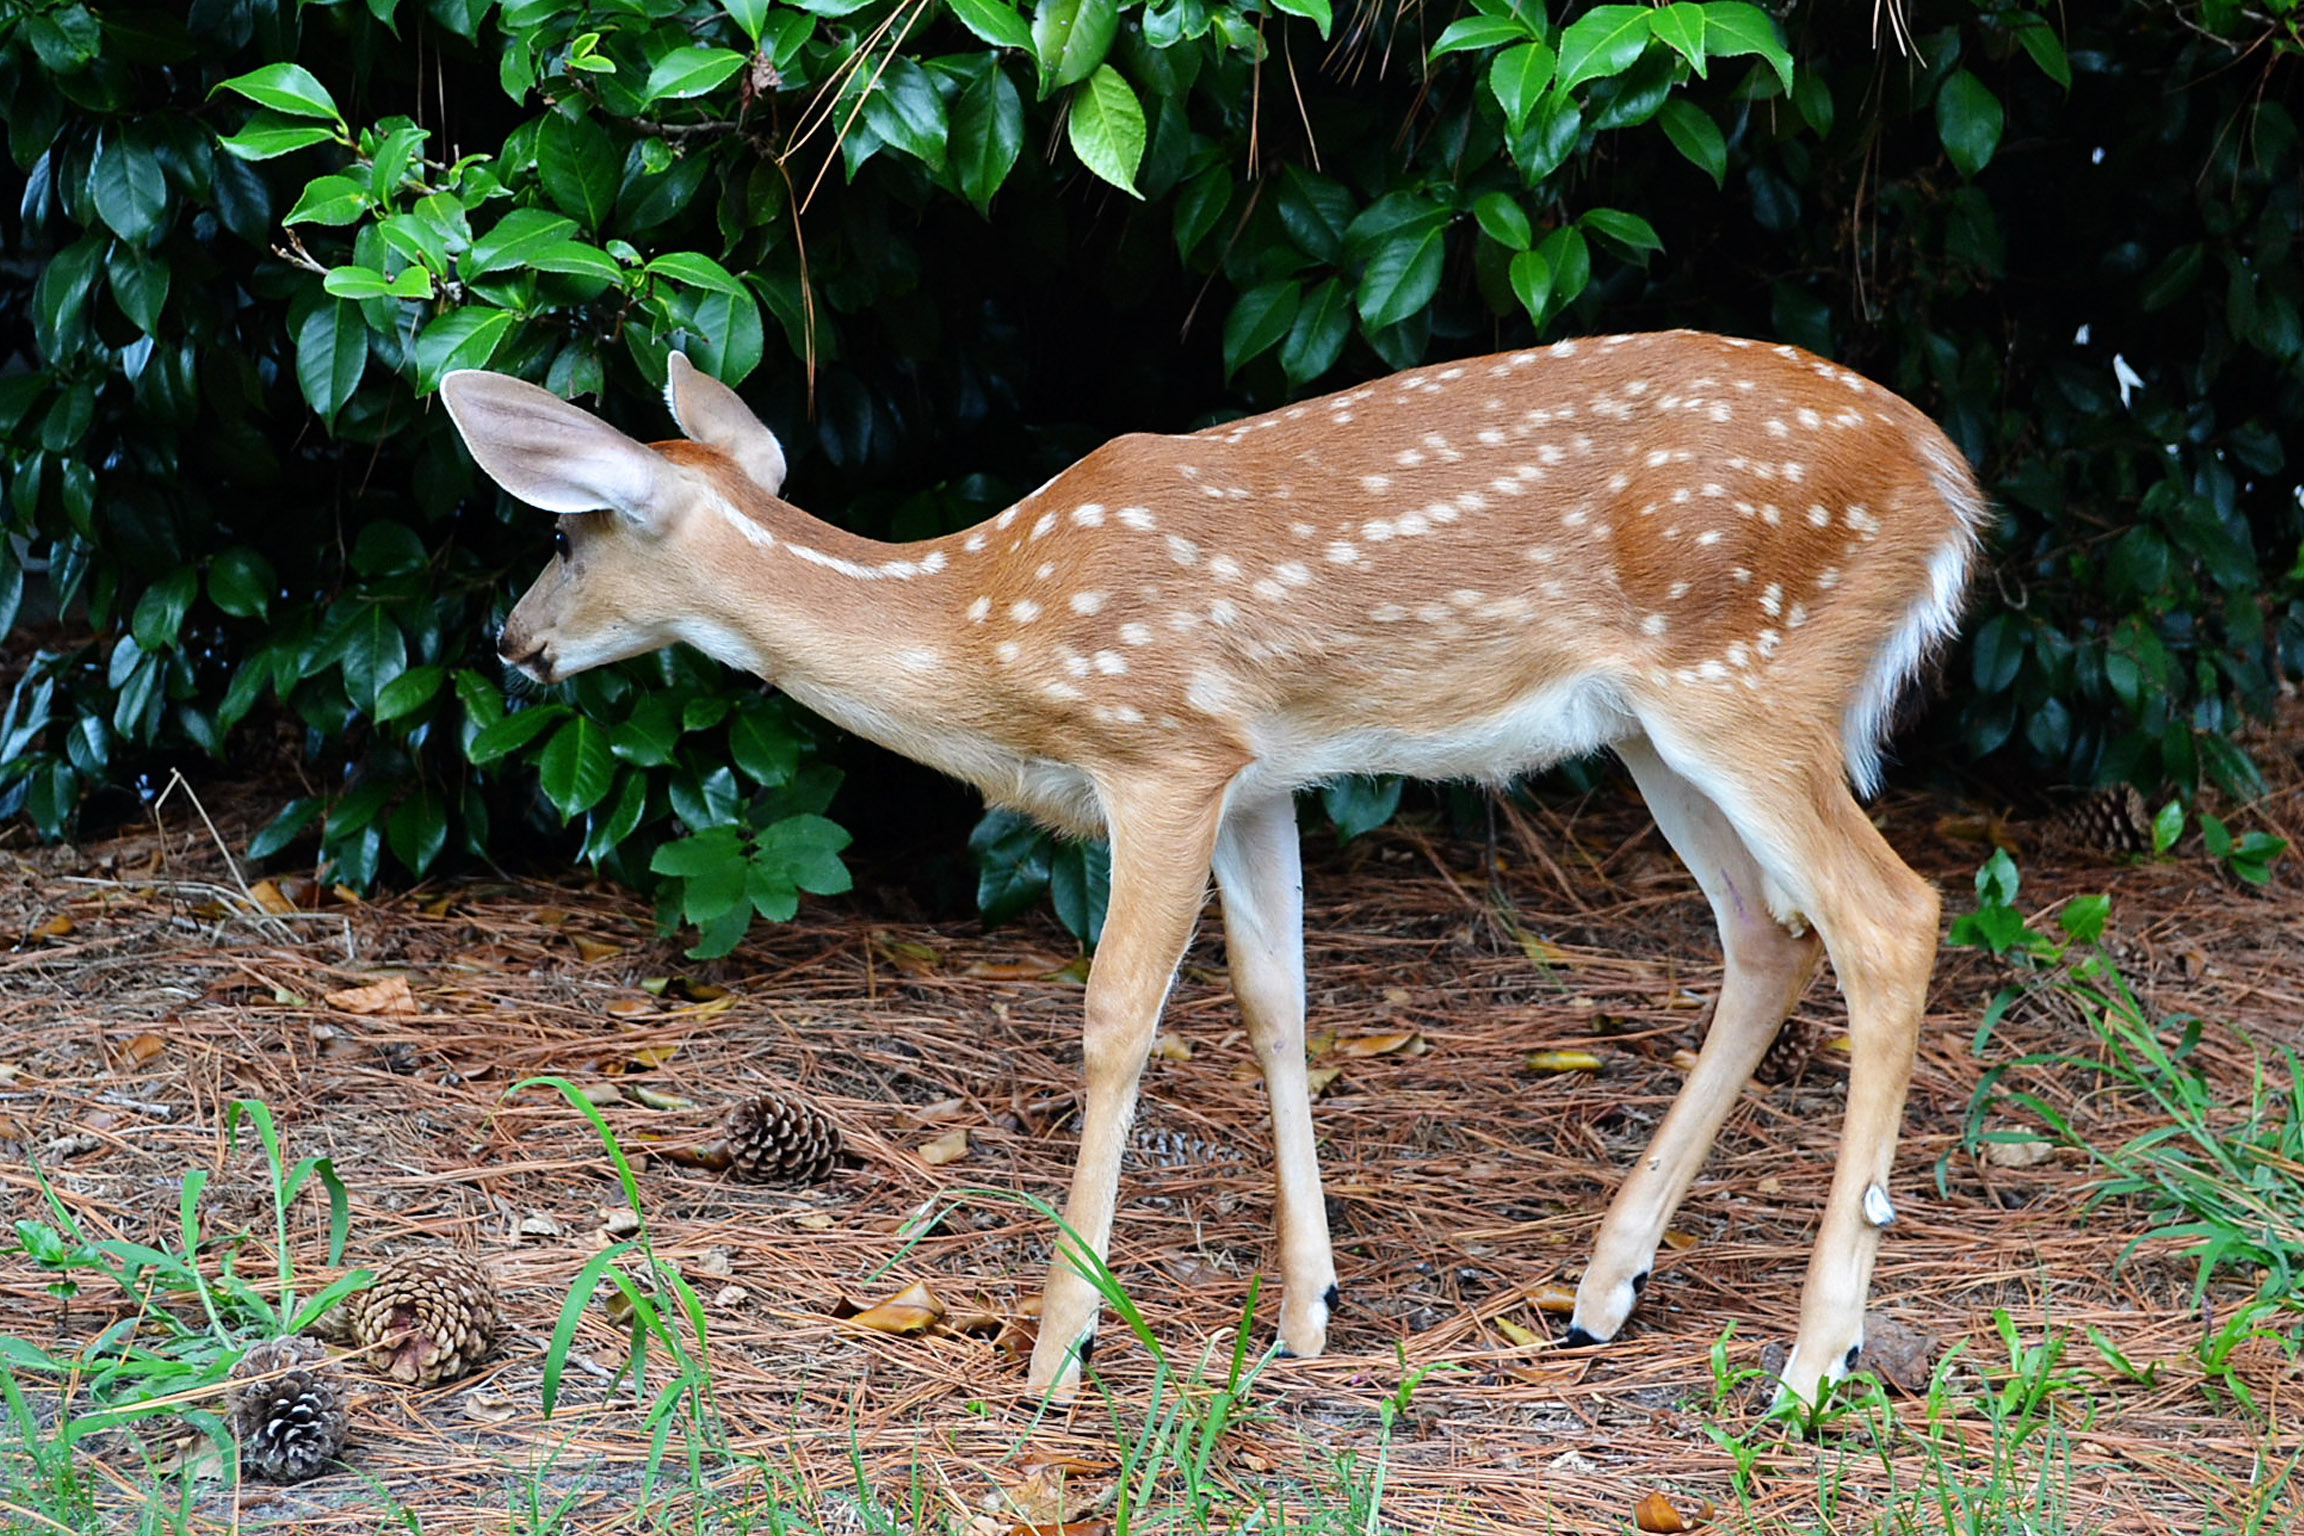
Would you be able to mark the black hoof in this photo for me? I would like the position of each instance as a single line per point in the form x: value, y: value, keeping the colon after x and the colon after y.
x: 1639, y: 1282
x: 1330, y: 1297
x: 1577, y: 1338
x: 1848, y: 1361
x: 1087, y: 1347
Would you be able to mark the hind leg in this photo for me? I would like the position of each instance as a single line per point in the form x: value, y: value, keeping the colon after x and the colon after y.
x: 1767, y: 967
x: 1878, y: 922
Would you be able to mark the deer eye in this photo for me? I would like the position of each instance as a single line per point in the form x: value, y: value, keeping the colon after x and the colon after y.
x: 560, y: 542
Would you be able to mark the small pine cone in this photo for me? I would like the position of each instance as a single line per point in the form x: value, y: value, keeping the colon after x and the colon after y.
x: 1791, y: 1053
x: 2113, y: 821
x: 1161, y: 1146
x: 429, y: 1317
x: 777, y: 1138
x: 286, y: 1403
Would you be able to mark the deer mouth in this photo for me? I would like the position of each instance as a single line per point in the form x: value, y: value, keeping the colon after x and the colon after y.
x: 533, y: 662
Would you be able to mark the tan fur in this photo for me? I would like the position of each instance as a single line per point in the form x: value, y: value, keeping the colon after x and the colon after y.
x: 1718, y: 556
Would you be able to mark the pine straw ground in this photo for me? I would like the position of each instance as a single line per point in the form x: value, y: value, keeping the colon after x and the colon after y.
x: 1461, y: 1184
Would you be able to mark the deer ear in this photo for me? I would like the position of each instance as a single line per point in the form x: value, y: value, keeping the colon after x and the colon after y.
x: 550, y: 454
x: 709, y: 412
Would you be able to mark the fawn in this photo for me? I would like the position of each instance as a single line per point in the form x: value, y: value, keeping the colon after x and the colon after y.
x: 1718, y: 558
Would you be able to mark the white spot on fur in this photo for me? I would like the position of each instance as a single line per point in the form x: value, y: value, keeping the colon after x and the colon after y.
x: 1024, y: 612
x: 1087, y: 602
x: 1137, y: 518
x: 1088, y: 515
x: 979, y: 610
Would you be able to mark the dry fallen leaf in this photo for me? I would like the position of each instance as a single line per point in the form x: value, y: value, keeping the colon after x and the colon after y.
x: 947, y: 1148
x: 389, y: 996
x: 629, y: 1007
x: 1561, y: 1061
x: 1654, y: 1512
x: 813, y: 1221
x: 270, y: 898
x: 437, y: 907
x: 490, y: 1407
x: 649, y: 1056
x: 1318, y: 1078
x: 1397, y: 996
x: 1519, y: 1333
x: 1379, y: 1045
x: 1552, y: 1298
x: 138, y: 1051
x: 55, y: 928
x: 1171, y: 1048
x: 908, y: 1311
x: 589, y: 949
x: 1023, y: 968
x: 1769, y: 1185
x: 1680, y: 1242
x: 1682, y: 1061
x: 1542, y: 952
x: 2018, y: 1154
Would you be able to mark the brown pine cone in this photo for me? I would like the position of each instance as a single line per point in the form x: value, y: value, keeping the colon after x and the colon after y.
x: 429, y: 1317
x: 1791, y: 1053
x: 286, y: 1403
x: 2113, y: 821
x: 781, y: 1138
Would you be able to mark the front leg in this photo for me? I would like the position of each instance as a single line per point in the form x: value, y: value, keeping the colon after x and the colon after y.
x: 1259, y: 869
x: 1162, y: 840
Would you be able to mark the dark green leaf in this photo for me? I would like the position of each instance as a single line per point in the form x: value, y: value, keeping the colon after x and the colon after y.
x: 515, y: 240
x: 409, y: 692
x: 576, y: 768
x: 284, y: 828
x: 2046, y: 48
x: 987, y: 133
x: 1080, y: 887
x: 160, y: 611
x: 1070, y: 39
x: 697, y: 271
x: 1012, y: 855
x: 1401, y: 276
x: 1359, y: 803
x: 463, y: 338
x: 1531, y: 278
x: 1259, y: 319
x: 130, y: 189
x: 1503, y: 220
x: 331, y: 353
x: 1968, y: 120
x: 580, y: 166
x: 763, y: 747
x: 60, y: 296
x: 904, y: 108
x: 1697, y: 137
x: 418, y: 830
x: 139, y: 284
x: 1315, y: 210
x: 375, y: 652
x: 1323, y: 324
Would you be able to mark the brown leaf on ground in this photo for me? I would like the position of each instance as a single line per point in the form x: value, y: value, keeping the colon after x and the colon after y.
x: 947, y: 1148
x: 1655, y: 1512
x: 389, y: 997
x: 1898, y: 1352
x: 910, y: 1310
x: 1380, y: 1045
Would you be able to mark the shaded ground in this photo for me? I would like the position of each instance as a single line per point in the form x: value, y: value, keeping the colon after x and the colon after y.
x: 1462, y: 1185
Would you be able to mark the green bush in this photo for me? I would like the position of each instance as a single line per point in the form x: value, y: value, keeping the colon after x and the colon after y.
x: 947, y: 245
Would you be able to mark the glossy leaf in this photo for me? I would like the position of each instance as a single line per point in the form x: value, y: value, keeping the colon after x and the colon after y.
x: 1518, y: 78
x: 1106, y: 128
x: 987, y: 134
x: 240, y: 582
x: 1481, y: 32
x: 269, y: 135
x: 330, y: 200
x: 1697, y: 137
x: 580, y: 166
x: 691, y: 71
x: 994, y: 22
x: 1259, y: 319
x: 1734, y: 28
x: 1606, y: 40
x: 463, y: 338
x: 1968, y: 121
x: 1315, y: 11
x: 1070, y: 39
x: 1402, y: 275
x: 331, y: 353
x: 515, y: 240
x: 130, y: 190
x: 575, y: 769
x: 1316, y: 338
x: 289, y: 89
